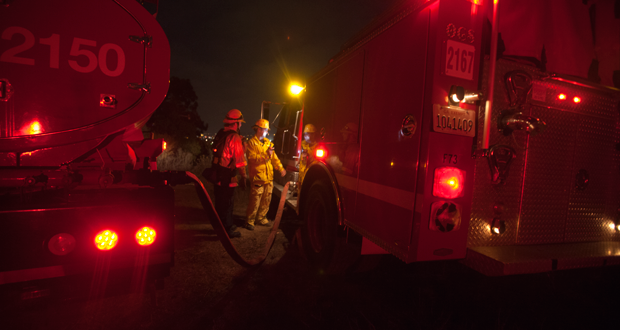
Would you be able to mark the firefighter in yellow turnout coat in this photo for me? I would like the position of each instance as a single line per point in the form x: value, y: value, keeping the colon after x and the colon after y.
x: 261, y: 162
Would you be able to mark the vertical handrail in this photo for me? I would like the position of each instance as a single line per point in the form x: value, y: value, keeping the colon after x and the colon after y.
x: 489, y: 103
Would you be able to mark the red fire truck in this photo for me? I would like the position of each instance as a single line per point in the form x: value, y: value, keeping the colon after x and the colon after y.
x: 461, y: 147
x: 83, y: 209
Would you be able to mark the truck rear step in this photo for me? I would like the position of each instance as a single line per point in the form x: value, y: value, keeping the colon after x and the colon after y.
x: 526, y: 259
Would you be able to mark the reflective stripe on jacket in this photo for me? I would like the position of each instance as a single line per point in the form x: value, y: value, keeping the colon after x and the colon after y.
x: 261, y: 166
x: 233, y: 149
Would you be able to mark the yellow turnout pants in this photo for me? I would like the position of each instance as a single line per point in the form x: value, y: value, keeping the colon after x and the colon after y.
x: 260, y: 198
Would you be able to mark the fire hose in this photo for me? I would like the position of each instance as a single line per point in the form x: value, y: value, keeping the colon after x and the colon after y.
x: 216, y: 222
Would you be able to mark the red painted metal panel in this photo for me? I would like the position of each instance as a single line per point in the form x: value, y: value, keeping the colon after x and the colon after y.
x: 334, y: 99
x: 456, y: 22
x: 393, y: 88
x: 61, y: 57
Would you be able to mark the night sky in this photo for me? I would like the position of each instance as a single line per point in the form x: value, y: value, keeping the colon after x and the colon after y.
x: 238, y: 53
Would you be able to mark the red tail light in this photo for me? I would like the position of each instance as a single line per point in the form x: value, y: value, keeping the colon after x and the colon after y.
x: 320, y: 152
x: 562, y: 97
x: 146, y: 236
x: 448, y: 182
x: 106, y: 239
x: 576, y: 99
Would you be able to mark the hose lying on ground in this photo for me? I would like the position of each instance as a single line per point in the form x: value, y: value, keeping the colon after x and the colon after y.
x: 216, y: 222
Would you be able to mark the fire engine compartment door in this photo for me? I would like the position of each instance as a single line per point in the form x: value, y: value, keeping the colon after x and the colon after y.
x: 393, y: 89
x: 333, y: 104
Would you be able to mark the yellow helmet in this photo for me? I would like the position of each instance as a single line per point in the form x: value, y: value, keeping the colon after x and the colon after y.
x: 309, y: 129
x: 262, y: 123
x: 234, y: 116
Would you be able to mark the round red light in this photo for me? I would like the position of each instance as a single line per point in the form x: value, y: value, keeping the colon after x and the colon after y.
x: 562, y: 97
x: 146, y: 236
x: 106, y: 239
x: 61, y: 244
x: 576, y: 99
x: 448, y: 182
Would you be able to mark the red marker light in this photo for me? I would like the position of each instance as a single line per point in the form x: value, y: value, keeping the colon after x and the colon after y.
x: 146, y: 236
x: 320, y: 152
x: 32, y: 128
x: 35, y: 128
x: 449, y: 182
x: 562, y: 97
x: 576, y: 99
x: 106, y: 239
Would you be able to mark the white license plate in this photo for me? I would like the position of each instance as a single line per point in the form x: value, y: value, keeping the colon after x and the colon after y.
x: 454, y: 120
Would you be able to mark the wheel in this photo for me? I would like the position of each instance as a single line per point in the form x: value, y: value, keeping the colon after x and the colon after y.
x: 322, y: 241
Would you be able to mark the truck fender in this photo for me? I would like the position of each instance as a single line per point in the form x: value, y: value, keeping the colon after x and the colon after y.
x: 321, y: 171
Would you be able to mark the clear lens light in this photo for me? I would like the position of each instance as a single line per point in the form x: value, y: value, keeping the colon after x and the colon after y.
x: 296, y: 89
x: 498, y: 226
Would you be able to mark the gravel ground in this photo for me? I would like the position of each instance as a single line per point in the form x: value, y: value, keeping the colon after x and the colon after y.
x: 208, y: 290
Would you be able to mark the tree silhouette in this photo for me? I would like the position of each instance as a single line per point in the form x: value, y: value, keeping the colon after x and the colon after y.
x: 177, y: 118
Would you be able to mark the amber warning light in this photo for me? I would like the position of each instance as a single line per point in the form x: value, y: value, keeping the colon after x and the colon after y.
x: 449, y: 182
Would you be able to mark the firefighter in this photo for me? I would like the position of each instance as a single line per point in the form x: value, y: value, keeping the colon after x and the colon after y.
x: 308, y: 147
x: 350, y: 152
x: 261, y: 162
x: 228, y: 161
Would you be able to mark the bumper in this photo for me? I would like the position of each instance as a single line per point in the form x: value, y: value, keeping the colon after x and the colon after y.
x: 527, y: 259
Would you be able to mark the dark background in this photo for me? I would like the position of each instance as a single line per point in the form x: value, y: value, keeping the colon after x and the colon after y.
x: 238, y: 53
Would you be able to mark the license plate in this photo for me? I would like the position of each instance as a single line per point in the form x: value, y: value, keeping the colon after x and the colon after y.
x: 454, y: 120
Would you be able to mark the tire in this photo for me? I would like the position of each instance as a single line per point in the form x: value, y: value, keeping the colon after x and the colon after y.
x: 322, y: 241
